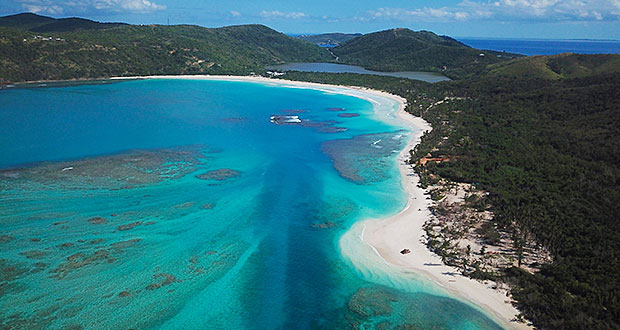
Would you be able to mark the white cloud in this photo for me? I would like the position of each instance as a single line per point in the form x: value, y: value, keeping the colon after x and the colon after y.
x: 141, y: 6
x: 279, y: 14
x: 41, y: 7
x: 506, y: 10
x: 52, y: 10
x: 427, y: 14
x: 235, y: 13
x: 136, y: 6
x: 86, y: 6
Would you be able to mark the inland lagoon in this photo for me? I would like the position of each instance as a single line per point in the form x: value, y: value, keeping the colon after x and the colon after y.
x: 179, y: 204
x: 431, y: 77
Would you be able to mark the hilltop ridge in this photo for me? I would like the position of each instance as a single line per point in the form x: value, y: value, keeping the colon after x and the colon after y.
x: 37, y: 23
x: 78, y: 48
x: 329, y: 39
x: 82, y: 48
x: 402, y: 49
x: 554, y: 67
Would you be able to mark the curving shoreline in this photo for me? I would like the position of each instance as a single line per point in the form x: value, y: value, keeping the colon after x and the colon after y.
x: 385, y: 238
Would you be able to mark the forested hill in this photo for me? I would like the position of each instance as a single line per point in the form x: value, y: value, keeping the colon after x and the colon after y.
x: 329, y: 38
x: 77, y: 48
x: 562, y: 66
x: 34, y: 47
x: 38, y: 23
x: 406, y: 50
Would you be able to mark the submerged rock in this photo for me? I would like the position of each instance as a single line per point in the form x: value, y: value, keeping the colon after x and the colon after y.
x: 372, y: 302
x: 207, y: 206
x: 129, y: 226
x: 348, y: 115
x: 324, y: 225
x: 219, y: 174
x: 10, y: 270
x: 123, y: 294
x: 166, y: 279
x: 125, y: 170
x: 34, y: 254
x: 365, y: 158
x: 332, y: 129
x: 79, y: 260
x: 98, y: 221
x: 185, y: 205
x: 125, y: 244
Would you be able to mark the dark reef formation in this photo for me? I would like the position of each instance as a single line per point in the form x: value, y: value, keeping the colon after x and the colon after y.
x: 219, y: 174
x: 124, y: 170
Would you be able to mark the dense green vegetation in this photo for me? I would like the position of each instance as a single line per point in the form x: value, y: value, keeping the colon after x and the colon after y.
x: 81, y: 48
x: 329, y: 38
x: 126, y: 50
x: 556, y: 67
x: 25, y: 21
x: 548, y: 152
x: 406, y: 50
x: 38, y: 23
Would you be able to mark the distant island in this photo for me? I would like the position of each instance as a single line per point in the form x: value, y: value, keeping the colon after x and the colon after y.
x: 522, y: 163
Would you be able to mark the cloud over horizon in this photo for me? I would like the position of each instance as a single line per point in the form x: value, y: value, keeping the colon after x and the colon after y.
x: 279, y: 14
x: 505, y: 10
x: 514, y: 18
x: 85, y: 6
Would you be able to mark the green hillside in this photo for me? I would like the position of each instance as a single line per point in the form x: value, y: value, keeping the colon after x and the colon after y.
x: 125, y: 50
x: 557, y: 66
x: 25, y: 21
x: 329, y: 38
x: 406, y: 50
x: 38, y: 23
x: 72, y: 24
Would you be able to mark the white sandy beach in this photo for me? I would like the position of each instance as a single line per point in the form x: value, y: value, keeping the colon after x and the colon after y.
x: 387, y: 237
x: 405, y: 231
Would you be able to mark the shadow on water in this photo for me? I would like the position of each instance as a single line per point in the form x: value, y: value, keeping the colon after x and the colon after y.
x: 291, y: 281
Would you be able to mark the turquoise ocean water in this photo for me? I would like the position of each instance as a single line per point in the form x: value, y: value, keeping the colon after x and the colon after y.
x: 177, y: 204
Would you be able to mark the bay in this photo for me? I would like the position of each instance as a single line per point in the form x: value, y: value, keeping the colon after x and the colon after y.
x: 170, y: 204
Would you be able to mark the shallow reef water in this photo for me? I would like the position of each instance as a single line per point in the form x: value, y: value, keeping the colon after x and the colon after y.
x: 177, y: 204
x: 365, y: 158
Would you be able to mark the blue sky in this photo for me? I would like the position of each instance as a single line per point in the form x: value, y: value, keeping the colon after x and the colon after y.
x: 597, y: 19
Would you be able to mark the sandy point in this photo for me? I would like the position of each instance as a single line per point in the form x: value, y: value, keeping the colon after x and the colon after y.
x: 388, y: 237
